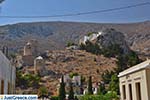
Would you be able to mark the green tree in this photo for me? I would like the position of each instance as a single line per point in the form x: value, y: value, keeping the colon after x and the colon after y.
x: 114, y: 84
x: 62, y: 92
x: 112, y: 95
x: 91, y: 47
x: 20, y: 81
x: 32, y: 80
x: 82, y: 80
x: 71, y: 93
x: 43, y: 91
x: 90, y: 91
x: 90, y: 33
x: 102, y: 90
x: 76, y: 98
x: 27, y: 80
x: 126, y: 61
x: 54, y: 98
x: 132, y: 58
x: 121, y: 64
x: 112, y: 50
x: 70, y: 43
x: 73, y: 74
x: 106, y: 76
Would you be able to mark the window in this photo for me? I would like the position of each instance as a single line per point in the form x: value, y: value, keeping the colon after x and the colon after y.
x: 9, y: 88
x: 124, y: 91
x: 2, y: 87
x: 138, y: 91
x: 130, y: 92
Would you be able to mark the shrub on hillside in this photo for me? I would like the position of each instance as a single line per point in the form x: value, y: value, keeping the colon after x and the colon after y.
x: 70, y: 43
x: 42, y: 91
x: 54, y: 98
x: 91, y: 47
x: 27, y: 80
x: 107, y: 96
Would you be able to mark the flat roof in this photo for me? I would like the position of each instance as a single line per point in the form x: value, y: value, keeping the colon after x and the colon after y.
x: 135, y: 68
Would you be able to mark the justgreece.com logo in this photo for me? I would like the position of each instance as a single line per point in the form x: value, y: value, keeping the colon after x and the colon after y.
x: 1, y: 97
x: 18, y: 97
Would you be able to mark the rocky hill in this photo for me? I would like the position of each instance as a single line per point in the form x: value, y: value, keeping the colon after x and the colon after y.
x: 55, y: 35
x: 62, y: 62
x: 105, y: 39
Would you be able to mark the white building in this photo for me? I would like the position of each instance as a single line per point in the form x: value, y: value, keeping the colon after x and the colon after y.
x: 92, y: 37
x: 39, y: 66
x: 67, y: 79
x: 135, y: 82
x: 76, y: 80
x: 7, y: 76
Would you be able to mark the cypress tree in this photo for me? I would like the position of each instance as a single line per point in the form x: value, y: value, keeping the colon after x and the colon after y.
x: 90, y: 91
x: 101, y: 89
x: 75, y: 98
x: 62, y: 92
x: 114, y: 84
x: 71, y: 93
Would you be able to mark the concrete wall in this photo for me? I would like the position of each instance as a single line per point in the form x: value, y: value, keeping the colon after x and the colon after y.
x: 148, y: 81
x: 7, y: 74
x: 133, y: 78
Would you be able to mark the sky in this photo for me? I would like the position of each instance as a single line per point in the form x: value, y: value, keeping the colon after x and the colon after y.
x: 56, y: 7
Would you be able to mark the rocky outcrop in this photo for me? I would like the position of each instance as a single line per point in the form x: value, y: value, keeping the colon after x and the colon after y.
x: 110, y: 37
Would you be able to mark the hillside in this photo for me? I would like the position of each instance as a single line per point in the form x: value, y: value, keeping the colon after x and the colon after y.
x: 66, y: 62
x: 55, y: 35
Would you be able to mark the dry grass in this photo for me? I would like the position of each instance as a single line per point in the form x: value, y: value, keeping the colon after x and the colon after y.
x: 80, y: 62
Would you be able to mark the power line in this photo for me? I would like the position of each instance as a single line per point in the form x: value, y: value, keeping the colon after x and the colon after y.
x: 82, y: 13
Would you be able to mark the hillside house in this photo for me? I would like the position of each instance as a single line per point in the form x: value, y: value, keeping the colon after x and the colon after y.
x: 92, y: 37
x: 39, y: 66
x: 76, y: 82
x: 135, y: 82
x: 7, y: 75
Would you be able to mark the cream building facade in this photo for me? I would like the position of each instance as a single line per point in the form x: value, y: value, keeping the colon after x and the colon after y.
x: 7, y: 76
x: 135, y: 82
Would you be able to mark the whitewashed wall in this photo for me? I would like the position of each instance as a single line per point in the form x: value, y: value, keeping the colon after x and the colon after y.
x: 7, y: 72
